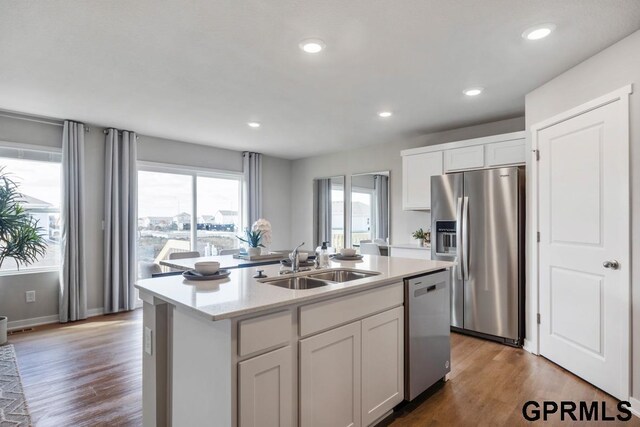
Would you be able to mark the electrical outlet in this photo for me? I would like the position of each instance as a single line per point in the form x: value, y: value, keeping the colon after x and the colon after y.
x: 148, y: 334
x: 31, y: 296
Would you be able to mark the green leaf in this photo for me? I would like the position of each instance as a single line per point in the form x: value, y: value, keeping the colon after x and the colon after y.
x: 21, y: 238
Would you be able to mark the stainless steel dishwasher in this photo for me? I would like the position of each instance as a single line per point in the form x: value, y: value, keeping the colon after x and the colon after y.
x: 427, y: 331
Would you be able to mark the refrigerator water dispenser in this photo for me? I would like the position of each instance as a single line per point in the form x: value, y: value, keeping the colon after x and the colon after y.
x: 446, y: 238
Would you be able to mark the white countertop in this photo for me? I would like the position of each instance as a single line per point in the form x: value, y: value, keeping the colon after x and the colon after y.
x: 426, y: 247
x: 241, y: 294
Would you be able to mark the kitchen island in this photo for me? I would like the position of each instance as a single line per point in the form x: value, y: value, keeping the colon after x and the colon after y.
x: 244, y: 352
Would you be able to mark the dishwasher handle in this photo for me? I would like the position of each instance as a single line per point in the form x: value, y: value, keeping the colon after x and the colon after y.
x: 419, y: 289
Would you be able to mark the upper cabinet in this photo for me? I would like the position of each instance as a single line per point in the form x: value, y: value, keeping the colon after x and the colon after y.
x: 417, y: 170
x: 505, y: 153
x: 465, y: 158
x: 420, y: 164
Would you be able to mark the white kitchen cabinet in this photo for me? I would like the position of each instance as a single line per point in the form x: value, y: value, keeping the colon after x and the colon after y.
x: 505, y: 153
x: 417, y: 170
x: 464, y: 158
x: 382, y: 364
x: 330, y: 369
x: 266, y: 390
x: 410, y: 251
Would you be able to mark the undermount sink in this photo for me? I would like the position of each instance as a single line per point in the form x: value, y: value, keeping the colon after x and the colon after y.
x: 321, y: 278
x: 298, y: 283
x: 340, y: 276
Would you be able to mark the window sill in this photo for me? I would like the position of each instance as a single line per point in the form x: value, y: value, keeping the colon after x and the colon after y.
x: 10, y: 273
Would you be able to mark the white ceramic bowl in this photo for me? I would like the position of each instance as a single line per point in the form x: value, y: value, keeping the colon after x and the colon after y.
x: 207, y: 267
x: 347, y: 252
x: 302, y: 256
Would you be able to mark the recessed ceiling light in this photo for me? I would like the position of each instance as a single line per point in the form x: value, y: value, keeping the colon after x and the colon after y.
x: 538, y: 32
x: 254, y: 125
x: 385, y: 114
x: 473, y: 91
x: 312, y: 45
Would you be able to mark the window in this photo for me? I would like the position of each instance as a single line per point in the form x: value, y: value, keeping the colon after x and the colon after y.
x: 361, y: 214
x: 337, y: 214
x: 38, y: 175
x: 170, y: 198
x: 218, y: 213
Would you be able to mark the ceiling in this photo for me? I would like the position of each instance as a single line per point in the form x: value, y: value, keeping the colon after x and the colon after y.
x: 199, y: 70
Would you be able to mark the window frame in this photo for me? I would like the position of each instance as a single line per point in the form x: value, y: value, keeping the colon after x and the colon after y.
x: 28, y: 269
x: 194, y: 172
x: 371, y: 193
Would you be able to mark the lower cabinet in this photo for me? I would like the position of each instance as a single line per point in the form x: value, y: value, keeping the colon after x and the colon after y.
x: 382, y: 363
x: 414, y: 253
x: 266, y: 390
x: 330, y: 378
x: 354, y: 374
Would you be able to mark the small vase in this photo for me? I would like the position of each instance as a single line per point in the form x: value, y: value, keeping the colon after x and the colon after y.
x: 254, y: 251
x: 421, y: 242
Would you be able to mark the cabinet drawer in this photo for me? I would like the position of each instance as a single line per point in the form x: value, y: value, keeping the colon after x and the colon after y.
x: 505, y: 153
x: 264, y: 332
x: 329, y: 314
x: 464, y: 158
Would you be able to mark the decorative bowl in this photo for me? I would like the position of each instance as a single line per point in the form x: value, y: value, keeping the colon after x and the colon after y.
x: 207, y: 267
x: 347, y: 252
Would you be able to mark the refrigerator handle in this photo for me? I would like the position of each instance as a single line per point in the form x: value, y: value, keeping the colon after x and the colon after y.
x: 459, y: 254
x: 465, y: 238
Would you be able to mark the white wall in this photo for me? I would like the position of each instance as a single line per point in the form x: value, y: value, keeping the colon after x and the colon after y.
x: 276, y: 173
x: 611, y: 69
x: 276, y: 200
x: 375, y: 158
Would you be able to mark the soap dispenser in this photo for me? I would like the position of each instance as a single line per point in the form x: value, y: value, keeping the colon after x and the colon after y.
x: 323, y: 256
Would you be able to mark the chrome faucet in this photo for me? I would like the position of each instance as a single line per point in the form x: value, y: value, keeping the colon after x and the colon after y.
x: 293, y: 256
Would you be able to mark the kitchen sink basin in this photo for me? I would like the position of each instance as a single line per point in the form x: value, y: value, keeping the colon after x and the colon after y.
x: 298, y: 283
x: 340, y: 276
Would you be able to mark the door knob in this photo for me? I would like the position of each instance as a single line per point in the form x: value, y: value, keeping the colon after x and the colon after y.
x: 613, y: 264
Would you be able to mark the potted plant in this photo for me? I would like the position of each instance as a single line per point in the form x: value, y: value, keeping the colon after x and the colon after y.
x: 263, y: 226
x: 20, y: 235
x: 253, y: 238
x: 419, y: 235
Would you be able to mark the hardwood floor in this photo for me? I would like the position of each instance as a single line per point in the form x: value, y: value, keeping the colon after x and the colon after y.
x: 89, y: 374
x: 84, y: 374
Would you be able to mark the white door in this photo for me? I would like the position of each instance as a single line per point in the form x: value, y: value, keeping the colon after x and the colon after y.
x: 584, y: 255
x: 266, y: 390
x: 330, y: 378
x: 382, y: 364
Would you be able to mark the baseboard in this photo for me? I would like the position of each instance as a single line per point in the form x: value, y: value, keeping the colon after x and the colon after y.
x: 92, y: 312
x: 45, y: 320
x: 635, y: 406
x: 528, y: 346
x: 34, y: 321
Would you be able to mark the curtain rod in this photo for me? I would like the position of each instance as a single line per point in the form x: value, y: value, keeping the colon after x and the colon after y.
x: 36, y: 119
x: 106, y: 131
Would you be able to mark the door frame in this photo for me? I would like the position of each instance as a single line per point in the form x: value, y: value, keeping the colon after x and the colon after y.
x: 532, y: 344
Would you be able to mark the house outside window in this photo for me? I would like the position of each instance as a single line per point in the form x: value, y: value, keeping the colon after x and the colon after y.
x: 38, y: 174
x: 171, y: 197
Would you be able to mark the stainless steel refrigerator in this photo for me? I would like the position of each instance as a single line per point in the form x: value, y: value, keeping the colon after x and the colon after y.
x: 478, y: 220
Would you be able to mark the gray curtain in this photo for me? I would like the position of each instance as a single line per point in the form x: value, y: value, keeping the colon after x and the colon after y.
x: 73, y: 280
x: 381, y: 188
x: 120, y: 223
x: 323, y: 210
x: 252, y: 168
